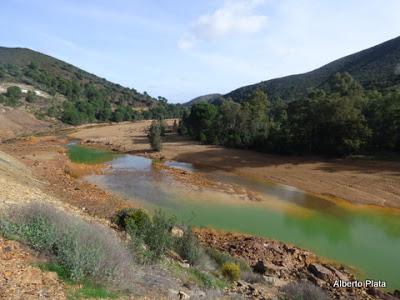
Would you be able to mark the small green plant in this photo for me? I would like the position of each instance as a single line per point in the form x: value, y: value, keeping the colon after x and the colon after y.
x: 87, y: 289
x: 231, y: 271
x: 221, y: 258
x: 92, y: 291
x: 61, y: 271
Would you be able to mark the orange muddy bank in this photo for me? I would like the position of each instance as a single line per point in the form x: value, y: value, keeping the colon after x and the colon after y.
x: 359, y: 181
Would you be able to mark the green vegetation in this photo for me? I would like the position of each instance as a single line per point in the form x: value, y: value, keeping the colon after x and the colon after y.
x: 231, y: 271
x: 151, y: 236
x: 86, y: 289
x: 132, y: 220
x: 81, y: 252
x: 345, y: 120
x: 92, y: 291
x: 30, y: 96
x: 14, y: 92
x: 89, y: 98
x: 155, y: 132
x: 374, y: 68
x: 12, y: 97
x: 189, y: 248
x: 221, y: 258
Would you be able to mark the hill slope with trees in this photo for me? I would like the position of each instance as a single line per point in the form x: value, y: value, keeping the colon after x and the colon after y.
x: 72, y: 95
x: 376, y: 68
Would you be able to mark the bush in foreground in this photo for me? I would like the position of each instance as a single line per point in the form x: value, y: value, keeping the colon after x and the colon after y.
x: 221, y: 258
x: 132, y: 220
x: 84, y: 250
x: 231, y: 271
x: 151, y: 236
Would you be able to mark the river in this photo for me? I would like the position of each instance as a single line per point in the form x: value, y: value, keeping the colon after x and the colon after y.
x: 363, y: 237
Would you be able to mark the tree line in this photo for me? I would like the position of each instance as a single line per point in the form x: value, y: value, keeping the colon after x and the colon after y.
x: 341, y: 120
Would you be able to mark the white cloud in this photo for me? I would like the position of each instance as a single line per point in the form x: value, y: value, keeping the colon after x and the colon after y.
x: 187, y: 41
x: 234, y: 17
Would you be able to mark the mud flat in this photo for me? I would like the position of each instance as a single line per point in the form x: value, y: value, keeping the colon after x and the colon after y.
x: 358, y: 181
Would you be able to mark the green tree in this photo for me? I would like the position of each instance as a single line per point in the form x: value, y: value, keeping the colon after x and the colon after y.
x: 31, y: 96
x: 14, y: 92
x: 154, y: 135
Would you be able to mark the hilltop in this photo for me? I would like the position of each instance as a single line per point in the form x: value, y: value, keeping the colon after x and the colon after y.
x: 211, y: 98
x: 377, y: 68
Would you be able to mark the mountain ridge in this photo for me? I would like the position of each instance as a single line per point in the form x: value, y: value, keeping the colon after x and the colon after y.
x: 377, y: 67
x: 374, y: 67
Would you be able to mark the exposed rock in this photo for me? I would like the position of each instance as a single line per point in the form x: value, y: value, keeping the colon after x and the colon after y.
x: 20, y: 280
x: 183, y: 295
x: 283, y: 263
x: 320, y: 271
x: 177, y: 232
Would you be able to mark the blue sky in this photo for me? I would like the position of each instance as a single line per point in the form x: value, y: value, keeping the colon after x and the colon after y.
x: 181, y: 49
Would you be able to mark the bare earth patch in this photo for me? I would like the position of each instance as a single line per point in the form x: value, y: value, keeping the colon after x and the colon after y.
x: 20, y: 280
x: 17, y: 121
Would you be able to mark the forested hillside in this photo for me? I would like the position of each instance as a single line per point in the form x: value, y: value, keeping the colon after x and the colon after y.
x: 346, y: 119
x: 71, y: 94
x: 376, y: 68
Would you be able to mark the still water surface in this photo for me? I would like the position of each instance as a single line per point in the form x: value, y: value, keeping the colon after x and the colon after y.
x: 367, y: 238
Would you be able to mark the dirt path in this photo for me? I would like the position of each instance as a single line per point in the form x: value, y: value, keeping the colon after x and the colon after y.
x: 359, y: 181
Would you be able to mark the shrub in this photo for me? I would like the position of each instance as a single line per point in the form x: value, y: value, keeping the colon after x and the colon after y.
x: 14, y: 92
x: 303, y: 291
x: 151, y: 237
x: 84, y: 250
x: 31, y: 96
x: 158, y: 236
x: 154, y: 135
x: 231, y: 271
x: 188, y: 247
x: 132, y: 220
x: 221, y: 258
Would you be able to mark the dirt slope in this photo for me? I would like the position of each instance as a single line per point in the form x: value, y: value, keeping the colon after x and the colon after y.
x: 16, y: 121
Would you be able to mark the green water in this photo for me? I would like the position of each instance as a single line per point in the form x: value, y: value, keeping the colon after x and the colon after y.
x: 80, y: 154
x: 362, y: 237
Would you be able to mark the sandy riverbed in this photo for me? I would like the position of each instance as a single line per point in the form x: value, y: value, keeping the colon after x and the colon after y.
x: 359, y: 181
